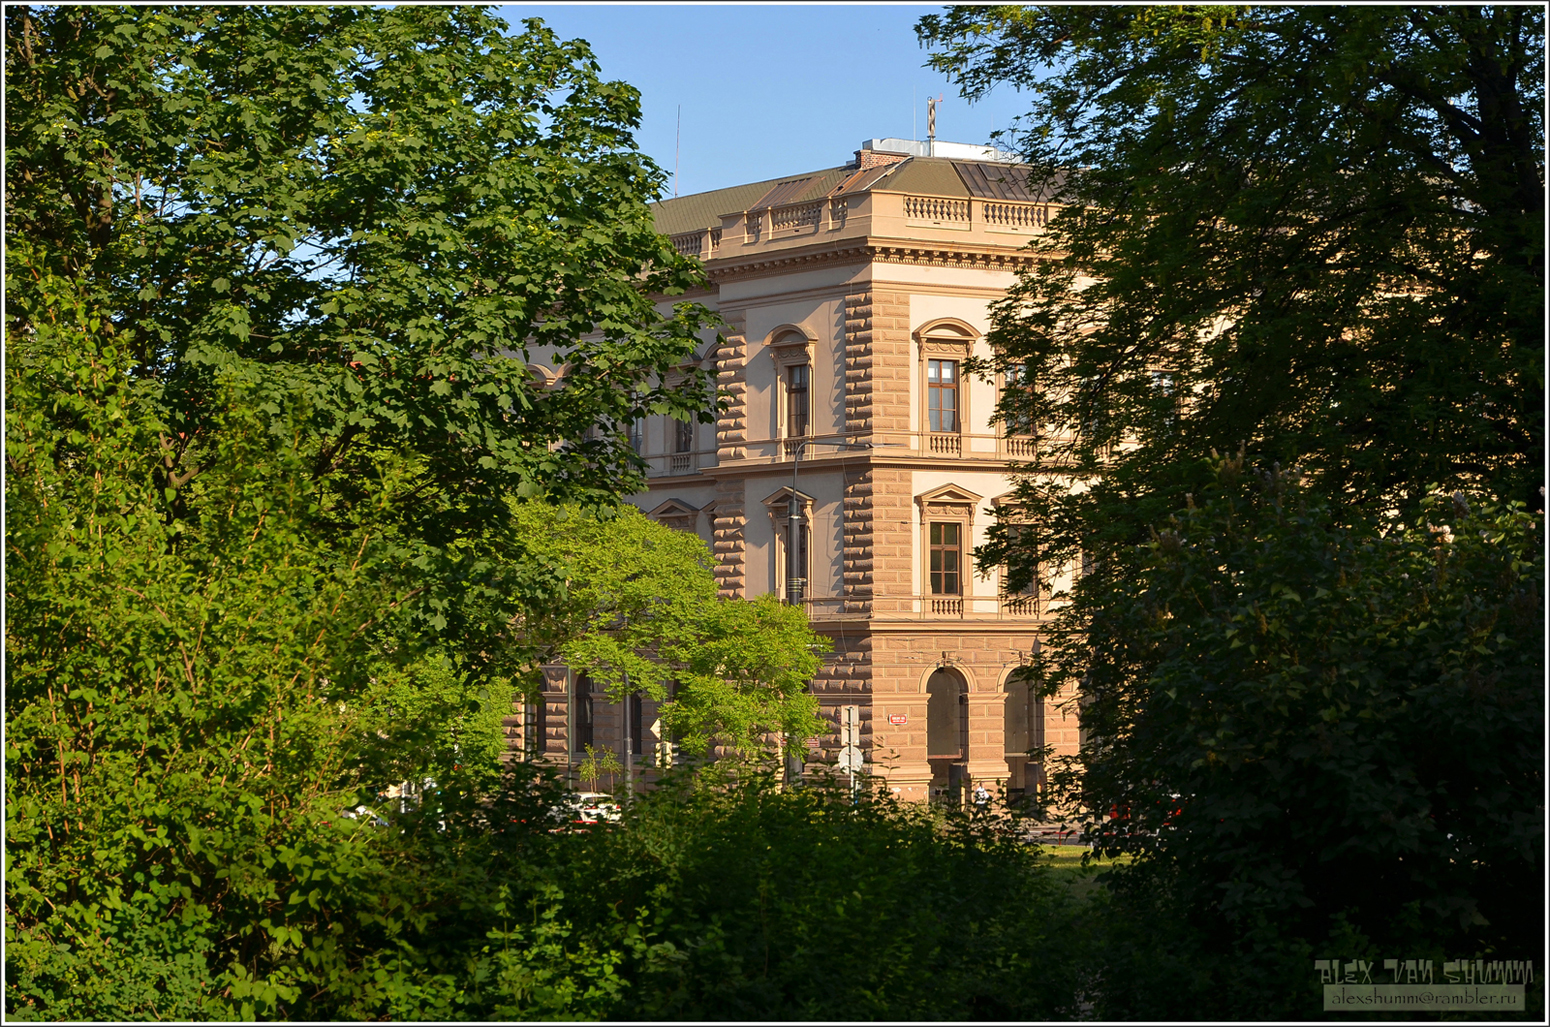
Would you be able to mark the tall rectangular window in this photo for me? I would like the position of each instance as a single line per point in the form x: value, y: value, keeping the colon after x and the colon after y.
x: 803, y: 569
x: 637, y: 744
x: 1021, y: 599
x: 942, y: 394
x: 683, y: 436
x: 796, y: 400
x: 1015, y: 397
x: 538, y: 727
x: 946, y: 559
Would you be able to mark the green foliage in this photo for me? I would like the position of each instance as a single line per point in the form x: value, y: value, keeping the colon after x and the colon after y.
x: 273, y: 275
x: 371, y: 219
x: 1301, y: 233
x: 1292, y: 722
x: 592, y: 769
x: 169, y: 719
x: 731, y: 898
x: 744, y: 675
x: 1307, y: 231
x: 640, y: 613
x: 126, y: 965
x: 798, y: 905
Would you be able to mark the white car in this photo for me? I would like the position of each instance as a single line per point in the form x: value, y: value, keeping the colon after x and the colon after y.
x: 588, y: 808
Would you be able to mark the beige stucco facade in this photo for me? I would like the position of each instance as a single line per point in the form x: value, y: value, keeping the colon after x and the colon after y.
x: 860, y: 277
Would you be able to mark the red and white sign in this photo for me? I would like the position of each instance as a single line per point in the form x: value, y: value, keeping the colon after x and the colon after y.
x: 898, y: 718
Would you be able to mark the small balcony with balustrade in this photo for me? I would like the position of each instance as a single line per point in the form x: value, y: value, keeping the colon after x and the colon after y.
x: 925, y: 607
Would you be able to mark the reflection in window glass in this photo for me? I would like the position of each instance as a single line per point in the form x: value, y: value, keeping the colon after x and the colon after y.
x: 942, y: 394
x: 946, y: 559
x: 796, y: 400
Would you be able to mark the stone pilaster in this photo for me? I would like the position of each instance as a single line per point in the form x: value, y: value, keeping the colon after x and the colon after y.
x: 727, y: 540
x: 856, y: 581
x: 732, y: 381
x: 858, y: 363
x: 728, y: 543
x: 554, y: 739
x: 891, y: 355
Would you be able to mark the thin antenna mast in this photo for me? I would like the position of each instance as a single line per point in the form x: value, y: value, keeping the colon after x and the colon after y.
x: 677, y: 147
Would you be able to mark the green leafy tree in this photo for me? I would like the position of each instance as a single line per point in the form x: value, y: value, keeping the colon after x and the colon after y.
x: 1308, y: 231
x: 372, y: 218
x: 1305, y: 234
x: 597, y: 764
x: 640, y: 613
x: 1300, y: 726
x: 273, y: 276
x: 180, y: 727
x: 743, y: 678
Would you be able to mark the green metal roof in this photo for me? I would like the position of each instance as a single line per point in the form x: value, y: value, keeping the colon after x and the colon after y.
x: 704, y: 210
x: 929, y: 176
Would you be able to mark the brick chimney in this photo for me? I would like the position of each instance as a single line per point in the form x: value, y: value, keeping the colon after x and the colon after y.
x: 868, y: 159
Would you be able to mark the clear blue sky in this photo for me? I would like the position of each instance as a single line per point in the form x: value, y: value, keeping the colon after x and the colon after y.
x: 770, y: 90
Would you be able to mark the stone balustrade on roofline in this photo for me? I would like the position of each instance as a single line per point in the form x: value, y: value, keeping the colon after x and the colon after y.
x: 877, y: 215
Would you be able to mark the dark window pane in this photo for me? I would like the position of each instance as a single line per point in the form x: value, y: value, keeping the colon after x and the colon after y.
x: 636, y: 745
x: 796, y: 400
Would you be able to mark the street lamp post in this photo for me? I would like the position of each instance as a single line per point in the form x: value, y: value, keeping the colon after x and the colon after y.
x: 796, y: 584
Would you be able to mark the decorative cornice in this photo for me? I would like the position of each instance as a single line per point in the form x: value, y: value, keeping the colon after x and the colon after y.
x: 725, y: 269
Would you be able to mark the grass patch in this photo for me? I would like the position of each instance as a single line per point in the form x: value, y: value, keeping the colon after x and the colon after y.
x: 1067, y: 866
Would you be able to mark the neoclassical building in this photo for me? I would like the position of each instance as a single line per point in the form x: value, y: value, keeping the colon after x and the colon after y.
x: 855, y: 295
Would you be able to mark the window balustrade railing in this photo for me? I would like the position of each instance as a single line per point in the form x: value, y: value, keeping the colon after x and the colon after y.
x: 1022, y: 447
x: 922, y: 606
x: 678, y: 463
x: 945, y: 445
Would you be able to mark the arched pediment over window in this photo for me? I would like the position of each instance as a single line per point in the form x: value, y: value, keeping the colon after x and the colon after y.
x: 675, y: 513
x: 949, y: 330
x: 790, y: 344
x: 790, y: 335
